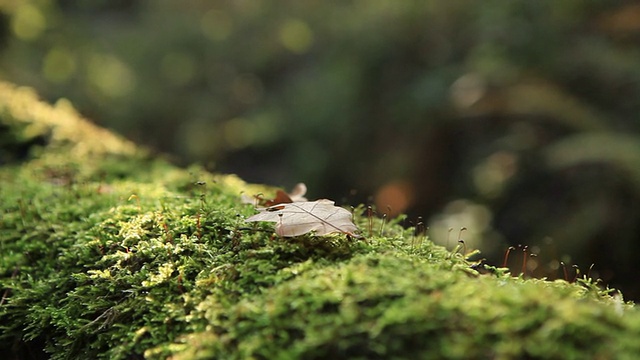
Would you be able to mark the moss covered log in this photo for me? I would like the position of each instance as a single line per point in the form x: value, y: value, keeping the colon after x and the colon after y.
x: 107, y: 252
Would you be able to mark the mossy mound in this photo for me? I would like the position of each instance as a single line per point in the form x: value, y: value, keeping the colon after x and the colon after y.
x: 106, y: 252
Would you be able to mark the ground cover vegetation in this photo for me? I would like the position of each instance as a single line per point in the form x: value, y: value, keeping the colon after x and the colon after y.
x: 517, y: 120
x: 107, y: 252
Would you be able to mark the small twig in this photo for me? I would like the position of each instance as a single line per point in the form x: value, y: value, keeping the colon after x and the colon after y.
x: 524, y: 261
x: 589, y: 271
x: 370, y: 218
x: 6, y: 292
x: 109, y: 314
x: 506, y: 256
x: 384, y: 220
x: 564, y: 269
x: 419, y: 230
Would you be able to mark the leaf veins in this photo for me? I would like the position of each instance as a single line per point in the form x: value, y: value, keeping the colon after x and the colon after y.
x: 298, y: 218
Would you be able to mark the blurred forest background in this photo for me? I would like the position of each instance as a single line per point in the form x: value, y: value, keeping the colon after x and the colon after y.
x: 519, y: 120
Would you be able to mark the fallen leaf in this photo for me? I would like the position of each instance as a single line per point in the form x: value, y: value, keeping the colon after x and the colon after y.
x: 298, y: 218
x: 297, y: 194
x: 281, y: 198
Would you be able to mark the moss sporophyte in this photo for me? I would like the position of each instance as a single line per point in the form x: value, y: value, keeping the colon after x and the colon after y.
x: 109, y: 253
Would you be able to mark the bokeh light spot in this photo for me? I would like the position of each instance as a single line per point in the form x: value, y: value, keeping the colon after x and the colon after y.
x: 467, y: 90
x: 59, y: 65
x: 200, y: 138
x: 296, y: 36
x: 28, y: 23
x: 476, y: 218
x: 394, y: 197
x: 491, y: 176
x: 110, y: 75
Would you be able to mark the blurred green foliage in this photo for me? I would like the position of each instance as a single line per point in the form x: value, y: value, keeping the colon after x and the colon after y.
x: 517, y: 120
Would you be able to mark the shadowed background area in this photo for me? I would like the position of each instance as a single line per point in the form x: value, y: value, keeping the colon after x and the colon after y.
x: 516, y: 120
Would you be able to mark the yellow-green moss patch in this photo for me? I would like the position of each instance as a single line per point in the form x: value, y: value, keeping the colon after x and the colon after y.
x: 108, y: 253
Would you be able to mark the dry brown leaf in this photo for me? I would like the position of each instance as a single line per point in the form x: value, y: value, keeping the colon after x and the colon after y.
x: 298, y: 218
x: 297, y: 194
x: 281, y: 198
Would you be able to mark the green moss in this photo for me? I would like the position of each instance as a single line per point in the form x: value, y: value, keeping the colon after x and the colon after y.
x: 108, y: 253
